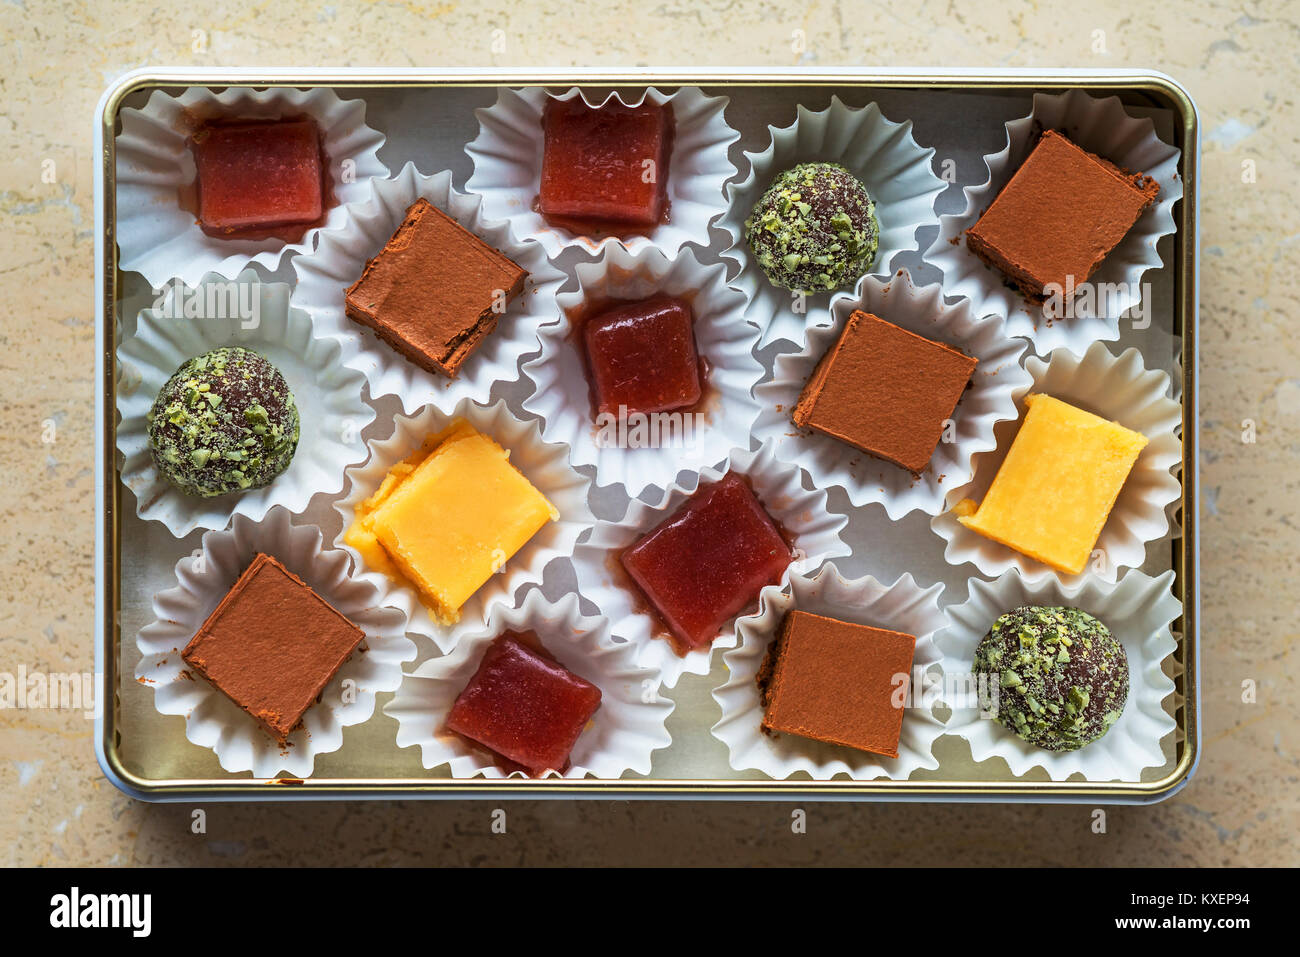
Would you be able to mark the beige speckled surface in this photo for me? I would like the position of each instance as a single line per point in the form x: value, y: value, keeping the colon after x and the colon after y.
x: 1240, y: 61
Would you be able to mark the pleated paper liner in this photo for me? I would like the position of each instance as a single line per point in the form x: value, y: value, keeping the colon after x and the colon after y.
x: 159, y: 238
x: 997, y: 383
x: 881, y: 153
x: 327, y: 392
x: 544, y: 464
x: 622, y: 736
x: 1100, y: 126
x: 901, y: 606
x: 214, y: 721
x: 1137, y: 609
x: 507, y: 156
x: 645, y: 450
x: 1119, y: 388
x: 366, y: 227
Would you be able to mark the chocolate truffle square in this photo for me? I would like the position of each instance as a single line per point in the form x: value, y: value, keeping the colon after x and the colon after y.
x: 435, y: 291
x: 885, y: 390
x: 272, y: 645
x: 1064, y: 210
x: 836, y: 682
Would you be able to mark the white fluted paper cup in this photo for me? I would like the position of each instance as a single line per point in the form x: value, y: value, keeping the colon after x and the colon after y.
x: 1138, y: 610
x: 159, y: 239
x: 507, y: 156
x: 997, y: 383
x: 893, y: 167
x: 214, y: 721
x: 342, y: 254
x: 544, y: 464
x: 901, y: 606
x: 690, y: 438
x: 1100, y: 126
x: 812, y: 531
x: 255, y: 315
x: 1119, y: 388
x: 624, y: 733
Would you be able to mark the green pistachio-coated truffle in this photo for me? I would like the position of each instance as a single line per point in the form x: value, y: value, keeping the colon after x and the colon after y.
x: 814, y: 229
x: 224, y: 422
x: 1062, y: 678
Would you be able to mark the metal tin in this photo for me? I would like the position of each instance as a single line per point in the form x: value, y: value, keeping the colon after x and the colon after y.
x: 1149, y: 88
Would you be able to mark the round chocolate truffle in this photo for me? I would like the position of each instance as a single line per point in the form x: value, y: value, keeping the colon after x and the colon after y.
x: 224, y: 422
x: 814, y: 229
x: 1062, y: 678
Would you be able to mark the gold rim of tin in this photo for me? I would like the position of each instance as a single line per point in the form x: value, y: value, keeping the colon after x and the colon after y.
x: 1183, y: 263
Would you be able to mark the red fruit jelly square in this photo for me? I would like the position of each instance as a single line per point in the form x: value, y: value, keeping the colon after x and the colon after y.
x: 258, y: 174
x: 707, y: 562
x: 642, y: 356
x: 524, y: 705
x: 607, y: 163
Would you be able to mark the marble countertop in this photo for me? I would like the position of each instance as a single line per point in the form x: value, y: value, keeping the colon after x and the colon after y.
x: 1240, y: 63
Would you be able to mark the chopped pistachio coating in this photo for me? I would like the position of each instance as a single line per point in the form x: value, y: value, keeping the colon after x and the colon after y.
x: 1062, y: 677
x: 814, y: 229
x: 224, y: 422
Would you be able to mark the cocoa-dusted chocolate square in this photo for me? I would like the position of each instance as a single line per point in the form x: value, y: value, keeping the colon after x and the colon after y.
x: 435, y: 290
x: 1062, y: 213
x: 272, y: 645
x: 885, y: 390
x: 837, y: 682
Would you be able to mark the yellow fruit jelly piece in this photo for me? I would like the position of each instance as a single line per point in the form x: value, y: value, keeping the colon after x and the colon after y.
x: 453, y: 519
x: 1057, y: 485
x: 361, y: 534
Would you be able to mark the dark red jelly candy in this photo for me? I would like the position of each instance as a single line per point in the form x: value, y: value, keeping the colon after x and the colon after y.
x: 523, y: 705
x: 642, y: 357
x: 708, y: 561
x: 606, y: 164
x: 258, y: 174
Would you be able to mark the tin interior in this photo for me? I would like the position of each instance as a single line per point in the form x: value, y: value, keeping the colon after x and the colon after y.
x: 429, y: 119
